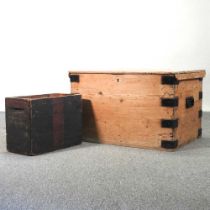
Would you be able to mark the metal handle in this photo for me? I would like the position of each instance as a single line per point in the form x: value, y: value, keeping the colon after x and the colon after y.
x: 190, y: 102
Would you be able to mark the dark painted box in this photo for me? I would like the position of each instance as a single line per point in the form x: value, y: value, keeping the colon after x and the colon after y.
x: 42, y: 123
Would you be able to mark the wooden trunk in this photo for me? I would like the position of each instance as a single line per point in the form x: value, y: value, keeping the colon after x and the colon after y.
x: 149, y: 110
x: 42, y: 123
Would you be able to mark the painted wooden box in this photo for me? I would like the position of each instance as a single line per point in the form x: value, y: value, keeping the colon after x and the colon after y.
x: 42, y: 123
x: 149, y: 110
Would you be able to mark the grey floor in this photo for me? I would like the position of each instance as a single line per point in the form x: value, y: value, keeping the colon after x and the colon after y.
x: 92, y: 176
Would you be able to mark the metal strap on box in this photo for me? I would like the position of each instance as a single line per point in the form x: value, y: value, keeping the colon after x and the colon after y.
x: 199, y: 132
x: 200, y: 114
x: 74, y: 78
x: 169, y: 123
x: 170, y: 102
x: 200, y: 95
x: 169, y: 80
x: 168, y: 144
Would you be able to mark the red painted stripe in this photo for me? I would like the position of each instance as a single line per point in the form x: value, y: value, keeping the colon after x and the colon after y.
x: 58, y: 122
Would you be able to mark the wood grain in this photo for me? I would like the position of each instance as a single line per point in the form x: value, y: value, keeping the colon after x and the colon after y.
x: 43, y: 123
x: 125, y: 108
x: 189, y: 121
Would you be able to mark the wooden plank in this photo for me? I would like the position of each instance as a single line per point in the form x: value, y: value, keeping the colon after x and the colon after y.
x: 136, y: 72
x: 72, y: 120
x: 25, y: 99
x: 124, y: 109
x: 109, y: 84
x: 16, y: 103
x: 190, y: 75
x: 188, y: 129
x: 124, y: 131
x: 136, y: 106
x: 18, y: 127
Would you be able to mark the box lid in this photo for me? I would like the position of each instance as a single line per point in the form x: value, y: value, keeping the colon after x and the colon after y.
x: 180, y: 75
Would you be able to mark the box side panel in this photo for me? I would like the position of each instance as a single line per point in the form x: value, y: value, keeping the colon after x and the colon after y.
x: 56, y: 123
x: 72, y: 120
x: 189, y: 111
x: 41, y: 126
x: 18, y: 126
x: 124, y: 109
x: 125, y: 84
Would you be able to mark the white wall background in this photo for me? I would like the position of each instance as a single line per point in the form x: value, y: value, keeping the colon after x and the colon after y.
x: 41, y: 40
